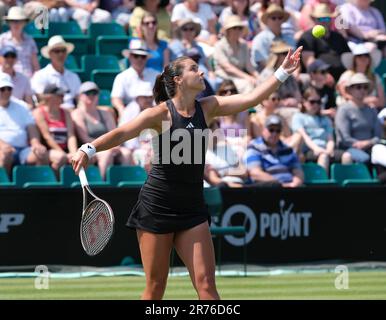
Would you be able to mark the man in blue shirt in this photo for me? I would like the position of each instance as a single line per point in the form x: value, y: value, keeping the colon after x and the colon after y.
x: 268, y: 159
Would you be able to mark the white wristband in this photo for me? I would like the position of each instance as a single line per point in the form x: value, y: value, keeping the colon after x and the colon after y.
x: 281, y: 74
x: 88, y: 149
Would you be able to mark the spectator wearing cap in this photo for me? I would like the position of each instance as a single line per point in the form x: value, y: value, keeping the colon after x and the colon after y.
x: 273, y: 17
x: 158, y: 49
x: 241, y: 8
x: 25, y: 45
x: 56, y: 127
x: 306, y: 21
x: 289, y: 91
x: 231, y: 56
x: 327, y: 48
x: 269, y: 160
x: 5, y: 5
x: 363, y: 60
x: 318, y: 77
x: 357, y: 126
x: 19, y: 137
x: 55, y: 72
x: 126, y: 83
x: 140, y: 147
x: 201, y: 13
x: 91, y: 122
x: 21, y: 84
x: 365, y: 23
x: 317, y: 132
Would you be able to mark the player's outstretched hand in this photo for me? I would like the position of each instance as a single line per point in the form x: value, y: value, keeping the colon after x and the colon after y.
x: 79, y: 160
x: 292, y: 60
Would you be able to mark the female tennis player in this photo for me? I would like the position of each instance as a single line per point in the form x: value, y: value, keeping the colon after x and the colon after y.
x: 170, y: 210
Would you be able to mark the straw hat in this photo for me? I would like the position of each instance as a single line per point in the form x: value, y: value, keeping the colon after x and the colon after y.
x: 56, y: 42
x: 183, y: 22
x: 322, y: 10
x: 233, y: 21
x: 136, y: 46
x: 360, y: 49
x: 357, y: 78
x: 16, y: 14
x: 274, y: 9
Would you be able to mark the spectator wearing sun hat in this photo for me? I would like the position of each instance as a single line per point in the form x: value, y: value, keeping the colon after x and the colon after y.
x: 21, y: 84
x: 273, y: 18
x: 232, y: 58
x: 126, y: 83
x: 25, y: 45
x: 57, y: 51
x: 364, y: 60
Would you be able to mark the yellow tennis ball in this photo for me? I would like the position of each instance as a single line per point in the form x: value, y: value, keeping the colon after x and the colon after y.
x: 318, y: 31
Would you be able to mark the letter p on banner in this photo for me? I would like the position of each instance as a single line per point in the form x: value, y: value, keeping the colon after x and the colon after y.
x: 342, y: 280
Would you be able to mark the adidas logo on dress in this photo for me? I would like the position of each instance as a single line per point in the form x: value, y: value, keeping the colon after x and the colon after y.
x: 190, y: 125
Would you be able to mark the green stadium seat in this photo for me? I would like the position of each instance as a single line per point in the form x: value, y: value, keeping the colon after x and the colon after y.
x: 126, y: 176
x: 96, y: 30
x: 70, y: 63
x: 111, y: 45
x: 213, y: 199
x: 315, y: 174
x: 68, y: 178
x: 104, y: 78
x: 105, y: 62
x: 381, y: 69
x: 352, y: 174
x: 104, y: 98
x: 34, y: 176
x: 64, y: 28
x: 4, y: 179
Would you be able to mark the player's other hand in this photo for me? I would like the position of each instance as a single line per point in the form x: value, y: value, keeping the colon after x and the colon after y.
x: 292, y: 60
x: 78, y: 161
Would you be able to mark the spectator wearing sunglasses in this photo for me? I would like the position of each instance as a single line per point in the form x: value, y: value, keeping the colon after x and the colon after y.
x: 328, y: 48
x: 232, y: 58
x: 19, y: 136
x: 362, y: 60
x: 125, y: 83
x: 56, y: 127
x: 91, y: 122
x: 269, y: 160
x: 306, y: 21
x: 357, y: 126
x: 273, y: 18
x: 318, y: 78
x: 57, y: 51
x: 22, y: 86
x: 317, y: 132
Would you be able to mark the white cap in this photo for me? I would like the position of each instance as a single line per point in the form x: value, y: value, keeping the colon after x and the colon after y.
x: 5, y: 80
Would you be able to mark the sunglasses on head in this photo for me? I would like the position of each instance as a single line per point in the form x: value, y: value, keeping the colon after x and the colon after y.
x: 274, y: 130
x: 315, y: 101
x: 360, y: 86
x: 3, y: 89
x: 138, y: 56
x: 324, y: 19
x: 148, y: 23
x: 56, y: 51
x: 91, y: 93
x: 228, y: 91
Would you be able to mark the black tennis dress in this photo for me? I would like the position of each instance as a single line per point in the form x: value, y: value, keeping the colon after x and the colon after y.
x: 172, y: 197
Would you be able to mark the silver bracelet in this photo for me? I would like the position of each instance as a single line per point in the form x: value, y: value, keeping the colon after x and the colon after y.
x: 281, y: 74
x: 88, y: 149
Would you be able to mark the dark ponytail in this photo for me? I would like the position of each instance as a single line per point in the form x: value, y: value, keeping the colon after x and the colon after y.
x: 165, y: 87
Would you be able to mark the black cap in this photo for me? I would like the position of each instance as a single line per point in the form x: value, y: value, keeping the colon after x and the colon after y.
x: 273, y: 120
x: 317, y: 65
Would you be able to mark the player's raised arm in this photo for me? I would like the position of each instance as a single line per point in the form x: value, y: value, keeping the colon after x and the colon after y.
x: 147, y: 119
x: 221, y: 106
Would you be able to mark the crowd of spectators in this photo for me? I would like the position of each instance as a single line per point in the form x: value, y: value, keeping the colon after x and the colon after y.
x: 330, y: 110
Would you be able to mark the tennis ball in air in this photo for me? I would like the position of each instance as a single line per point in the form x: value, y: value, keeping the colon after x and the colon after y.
x: 318, y: 31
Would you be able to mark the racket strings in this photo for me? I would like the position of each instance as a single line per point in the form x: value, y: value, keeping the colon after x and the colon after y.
x: 97, y: 227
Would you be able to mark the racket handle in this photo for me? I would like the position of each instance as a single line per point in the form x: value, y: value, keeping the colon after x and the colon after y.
x: 83, y: 177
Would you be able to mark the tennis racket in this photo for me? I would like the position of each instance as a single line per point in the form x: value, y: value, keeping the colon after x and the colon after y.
x: 97, y: 223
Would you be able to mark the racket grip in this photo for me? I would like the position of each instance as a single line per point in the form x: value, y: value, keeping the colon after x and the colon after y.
x: 83, y: 177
